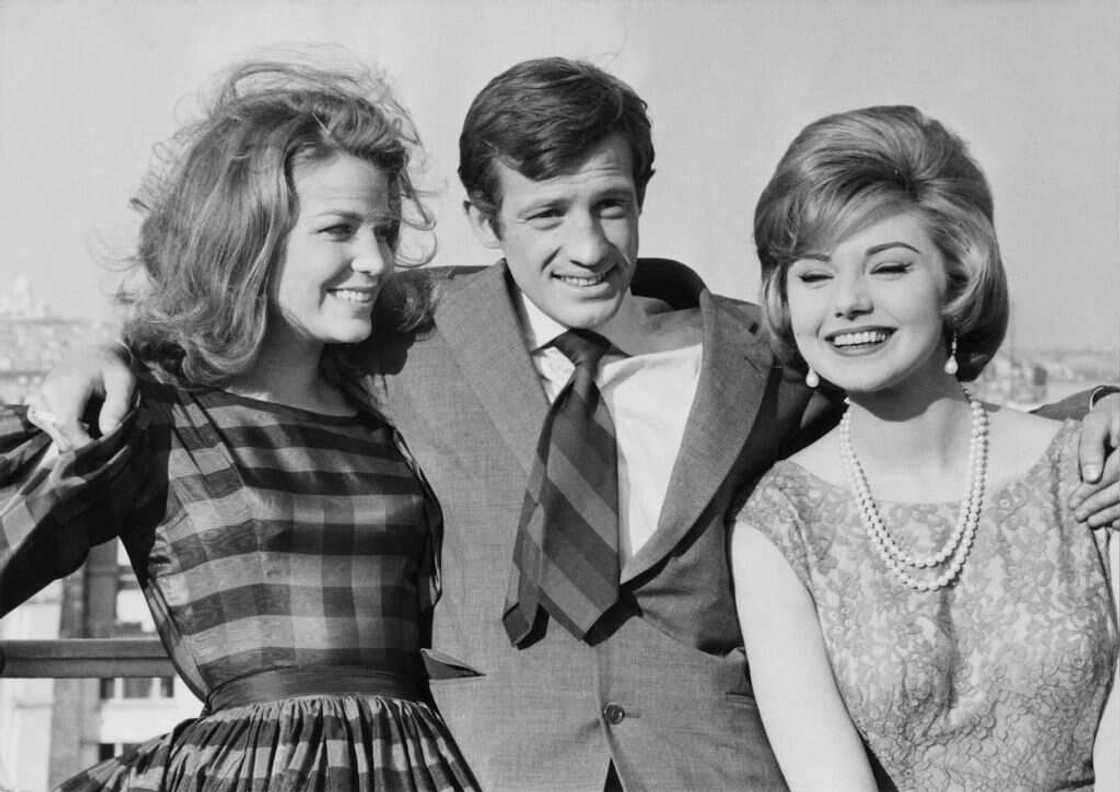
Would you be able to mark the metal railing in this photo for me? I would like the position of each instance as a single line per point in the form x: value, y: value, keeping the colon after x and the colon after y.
x: 84, y: 657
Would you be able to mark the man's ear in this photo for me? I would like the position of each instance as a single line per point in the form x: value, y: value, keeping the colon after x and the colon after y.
x: 483, y: 226
x: 642, y: 192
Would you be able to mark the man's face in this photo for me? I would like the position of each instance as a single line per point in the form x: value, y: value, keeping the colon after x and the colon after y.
x: 571, y: 241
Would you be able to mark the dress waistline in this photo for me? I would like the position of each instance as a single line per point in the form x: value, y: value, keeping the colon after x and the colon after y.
x: 281, y: 683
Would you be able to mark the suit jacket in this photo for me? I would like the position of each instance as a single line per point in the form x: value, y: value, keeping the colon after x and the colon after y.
x: 664, y: 692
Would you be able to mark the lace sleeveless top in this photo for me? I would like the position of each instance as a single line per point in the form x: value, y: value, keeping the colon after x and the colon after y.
x: 995, y: 682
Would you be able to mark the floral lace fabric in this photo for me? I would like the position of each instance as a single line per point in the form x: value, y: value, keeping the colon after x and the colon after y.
x: 995, y: 682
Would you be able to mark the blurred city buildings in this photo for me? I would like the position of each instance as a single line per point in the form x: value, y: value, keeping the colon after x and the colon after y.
x: 1027, y: 379
x: 32, y: 339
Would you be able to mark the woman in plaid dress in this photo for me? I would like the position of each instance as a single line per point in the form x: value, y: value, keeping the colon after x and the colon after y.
x: 286, y: 544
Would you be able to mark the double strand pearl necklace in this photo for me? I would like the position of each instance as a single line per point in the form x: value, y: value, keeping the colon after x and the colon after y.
x: 957, y: 548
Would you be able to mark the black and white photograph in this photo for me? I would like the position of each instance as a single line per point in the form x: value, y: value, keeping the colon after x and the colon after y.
x: 574, y: 395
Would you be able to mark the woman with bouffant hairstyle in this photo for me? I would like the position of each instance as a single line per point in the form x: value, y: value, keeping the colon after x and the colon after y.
x: 920, y: 607
x: 285, y: 542
x: 845, y: 172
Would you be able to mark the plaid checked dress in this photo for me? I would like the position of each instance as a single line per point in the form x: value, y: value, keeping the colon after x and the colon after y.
x: 290, y: 560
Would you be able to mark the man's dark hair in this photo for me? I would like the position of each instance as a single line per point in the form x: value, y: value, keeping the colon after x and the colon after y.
x: 541, y: 117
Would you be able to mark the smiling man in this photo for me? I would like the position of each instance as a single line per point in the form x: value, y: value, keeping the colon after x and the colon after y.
x: 571, y: 240
x: 568, y: 662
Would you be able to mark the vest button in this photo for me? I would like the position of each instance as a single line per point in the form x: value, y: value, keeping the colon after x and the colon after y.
x: 613, y: 714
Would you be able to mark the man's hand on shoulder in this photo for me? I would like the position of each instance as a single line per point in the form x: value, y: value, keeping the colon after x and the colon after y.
x: 1097, y: 500
x: 71, y: 388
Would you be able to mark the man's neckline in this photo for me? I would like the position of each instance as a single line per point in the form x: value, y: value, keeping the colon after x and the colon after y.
x: 628, y: 330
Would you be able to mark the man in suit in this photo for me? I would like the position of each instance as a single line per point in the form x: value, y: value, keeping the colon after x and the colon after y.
x: 653, y: 691
x: 555, y: 157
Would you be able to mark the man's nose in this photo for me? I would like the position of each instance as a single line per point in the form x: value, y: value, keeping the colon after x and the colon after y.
x: 586, y: 244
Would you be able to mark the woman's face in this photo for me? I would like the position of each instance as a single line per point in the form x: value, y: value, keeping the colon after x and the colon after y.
x: 338, y: 252
x: 867, y: 314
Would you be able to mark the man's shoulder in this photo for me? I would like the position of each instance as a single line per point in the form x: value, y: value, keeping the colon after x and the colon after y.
x: 680, y: 286
x: 744, y: 307
x: 669, y: 281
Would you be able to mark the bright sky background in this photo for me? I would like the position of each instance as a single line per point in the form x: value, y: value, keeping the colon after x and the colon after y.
x: 88, y: 86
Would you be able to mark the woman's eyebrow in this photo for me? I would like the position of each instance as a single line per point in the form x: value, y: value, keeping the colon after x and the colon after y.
x: 871, y: 251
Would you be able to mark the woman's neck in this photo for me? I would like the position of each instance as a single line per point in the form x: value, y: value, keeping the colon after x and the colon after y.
x: 290, y: 374
x: 914, y: 442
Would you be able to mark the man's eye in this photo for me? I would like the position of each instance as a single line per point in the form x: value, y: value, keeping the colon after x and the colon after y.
x: 546, y: 218
x: 614, y: 209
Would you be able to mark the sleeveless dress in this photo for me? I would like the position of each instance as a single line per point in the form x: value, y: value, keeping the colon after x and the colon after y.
x: 290, y: 561
x: 995, y: 682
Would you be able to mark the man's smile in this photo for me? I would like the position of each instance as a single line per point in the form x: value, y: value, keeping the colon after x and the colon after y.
x: 582, y: 280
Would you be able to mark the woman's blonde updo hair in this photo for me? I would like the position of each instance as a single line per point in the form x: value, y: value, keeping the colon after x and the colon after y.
x: 849, y: 170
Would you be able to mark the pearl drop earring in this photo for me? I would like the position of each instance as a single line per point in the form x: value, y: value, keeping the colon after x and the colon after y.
x: 811, y: 378
x: 951, y: 366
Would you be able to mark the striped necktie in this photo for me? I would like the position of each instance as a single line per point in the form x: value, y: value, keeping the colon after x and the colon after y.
x: 566, y: 555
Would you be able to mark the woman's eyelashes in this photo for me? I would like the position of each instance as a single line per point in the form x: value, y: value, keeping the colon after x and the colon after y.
x: 386, y: 233
x: 338, y: 230
x: 891, y: 268
x: 811, y: 276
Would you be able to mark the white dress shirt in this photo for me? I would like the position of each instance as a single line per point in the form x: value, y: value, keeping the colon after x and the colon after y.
x: 649, y: 395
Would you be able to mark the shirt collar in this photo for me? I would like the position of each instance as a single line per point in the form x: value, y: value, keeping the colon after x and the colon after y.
x: 539, y: 329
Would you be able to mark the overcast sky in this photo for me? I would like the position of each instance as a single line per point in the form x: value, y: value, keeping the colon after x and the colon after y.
x: 87, y: 87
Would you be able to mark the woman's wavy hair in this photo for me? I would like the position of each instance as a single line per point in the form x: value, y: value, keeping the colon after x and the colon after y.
x: 850, y: 170
x: 220, y: 201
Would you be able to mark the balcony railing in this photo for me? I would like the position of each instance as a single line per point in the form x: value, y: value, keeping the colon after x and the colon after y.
x: 85, y: 657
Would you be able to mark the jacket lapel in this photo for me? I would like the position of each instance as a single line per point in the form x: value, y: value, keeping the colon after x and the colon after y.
x: 479, y: 323
x: 733, y: 372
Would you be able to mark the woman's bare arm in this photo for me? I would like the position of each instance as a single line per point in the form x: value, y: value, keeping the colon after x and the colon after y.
x: 806, y: 721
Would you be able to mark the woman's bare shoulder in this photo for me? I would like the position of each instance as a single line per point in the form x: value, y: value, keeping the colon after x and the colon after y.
x: 1017, y: 440
x: 822, y: 458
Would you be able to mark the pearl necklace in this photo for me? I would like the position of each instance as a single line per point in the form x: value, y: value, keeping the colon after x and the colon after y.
x: 957, y: 548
